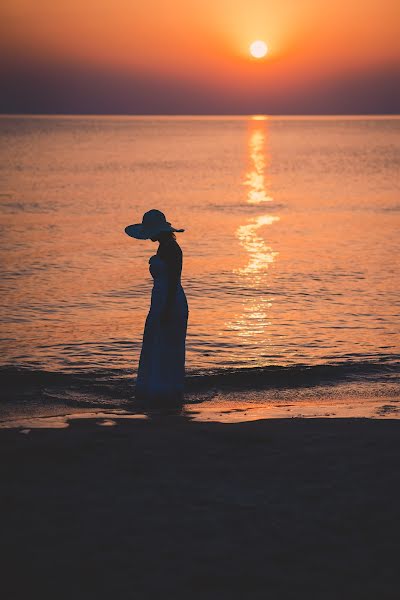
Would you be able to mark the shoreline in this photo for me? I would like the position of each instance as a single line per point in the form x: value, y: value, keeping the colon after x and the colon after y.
x: 227, y: 414
x: 226, y: 406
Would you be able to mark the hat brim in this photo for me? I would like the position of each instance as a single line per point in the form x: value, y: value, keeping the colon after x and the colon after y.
x: 139, y: 232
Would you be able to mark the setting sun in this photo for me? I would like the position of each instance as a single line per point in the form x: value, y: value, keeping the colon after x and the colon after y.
x: 258, y: 49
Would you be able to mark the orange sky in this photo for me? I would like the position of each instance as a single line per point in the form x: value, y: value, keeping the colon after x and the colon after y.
x: 204, y: 44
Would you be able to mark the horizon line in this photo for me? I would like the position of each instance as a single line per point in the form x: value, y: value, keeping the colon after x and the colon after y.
x: 207, y: 115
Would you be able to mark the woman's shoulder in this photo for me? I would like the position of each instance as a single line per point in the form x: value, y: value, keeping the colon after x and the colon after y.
x: 176, y: 247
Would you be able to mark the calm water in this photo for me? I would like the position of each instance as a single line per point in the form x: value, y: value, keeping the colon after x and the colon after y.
x: 290, y: 250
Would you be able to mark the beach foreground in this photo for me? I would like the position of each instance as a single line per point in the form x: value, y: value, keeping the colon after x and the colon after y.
x: 165, y: 507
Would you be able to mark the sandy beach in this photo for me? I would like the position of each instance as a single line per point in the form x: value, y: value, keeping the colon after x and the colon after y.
x: 167, y: 507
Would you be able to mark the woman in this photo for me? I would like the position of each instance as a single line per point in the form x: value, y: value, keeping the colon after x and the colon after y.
x: 162, y: 359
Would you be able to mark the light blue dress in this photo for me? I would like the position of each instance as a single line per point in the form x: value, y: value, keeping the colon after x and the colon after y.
x: 162, y: 359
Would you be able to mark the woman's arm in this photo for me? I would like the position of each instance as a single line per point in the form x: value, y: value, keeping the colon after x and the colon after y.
x: 172, y: 255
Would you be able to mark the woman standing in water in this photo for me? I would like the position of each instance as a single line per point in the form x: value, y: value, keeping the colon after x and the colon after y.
x: 162, y: 359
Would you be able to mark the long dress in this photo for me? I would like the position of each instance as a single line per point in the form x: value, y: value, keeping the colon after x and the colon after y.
x: 162, y: 359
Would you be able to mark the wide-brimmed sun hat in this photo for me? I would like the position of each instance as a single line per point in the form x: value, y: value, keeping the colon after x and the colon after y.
x: 153, y: 223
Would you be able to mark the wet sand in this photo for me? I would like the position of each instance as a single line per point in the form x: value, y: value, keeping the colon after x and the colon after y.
x: 169, y: 507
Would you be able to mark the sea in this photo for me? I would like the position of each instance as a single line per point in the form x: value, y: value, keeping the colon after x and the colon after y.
x: 291, y: 253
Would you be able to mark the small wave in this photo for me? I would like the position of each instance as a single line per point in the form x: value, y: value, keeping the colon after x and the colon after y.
x: 118, y: 383
x: 246, y: 208
x: 295, y: 376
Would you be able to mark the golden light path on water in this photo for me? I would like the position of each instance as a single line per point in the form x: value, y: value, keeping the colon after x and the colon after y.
x: 255, y: 179
x: 261, y: 255
x: 254, y: 318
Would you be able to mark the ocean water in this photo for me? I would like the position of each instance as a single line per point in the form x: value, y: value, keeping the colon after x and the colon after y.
x: 291, y: 244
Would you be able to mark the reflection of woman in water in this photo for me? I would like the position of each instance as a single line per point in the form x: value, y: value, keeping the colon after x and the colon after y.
x: 162, y: 359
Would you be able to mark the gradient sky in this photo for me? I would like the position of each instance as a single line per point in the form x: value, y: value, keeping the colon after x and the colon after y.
x: 191, y: 56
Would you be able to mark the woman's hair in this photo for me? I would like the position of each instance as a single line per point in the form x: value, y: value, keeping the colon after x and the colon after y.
x: 166, y: 235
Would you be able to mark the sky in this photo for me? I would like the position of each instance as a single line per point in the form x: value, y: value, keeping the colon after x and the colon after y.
x: 192, y: 56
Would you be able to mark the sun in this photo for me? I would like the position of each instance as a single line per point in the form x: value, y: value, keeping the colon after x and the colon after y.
x: 258, y: 49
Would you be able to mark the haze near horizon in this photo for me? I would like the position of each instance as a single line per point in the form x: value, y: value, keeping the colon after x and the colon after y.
x: 189, y: 57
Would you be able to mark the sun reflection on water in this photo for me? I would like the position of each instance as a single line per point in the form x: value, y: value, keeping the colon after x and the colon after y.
x: 254, y: 318
x: 261, y: 255
x: 255, y: 179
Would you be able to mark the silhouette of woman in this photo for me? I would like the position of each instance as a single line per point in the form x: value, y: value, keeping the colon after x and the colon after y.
x: 162, y: 359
